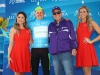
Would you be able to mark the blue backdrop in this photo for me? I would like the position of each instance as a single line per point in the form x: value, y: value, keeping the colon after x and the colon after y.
x: 69, y: 9
x: 2, y: 14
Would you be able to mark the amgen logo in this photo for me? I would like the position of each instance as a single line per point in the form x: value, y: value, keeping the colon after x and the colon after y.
x: 16, y: 1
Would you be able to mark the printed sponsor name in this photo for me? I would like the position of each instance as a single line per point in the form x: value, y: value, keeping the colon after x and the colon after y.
x: 1, y: 70
x: 99, y: 13
x: 16, y: 1
x: 64, y: 13
x: 38, y: 0
x: 1, y: 35
x: 2, y: 5
x: 12, y: 16
x: 1, y: 52
x: 60, y: 0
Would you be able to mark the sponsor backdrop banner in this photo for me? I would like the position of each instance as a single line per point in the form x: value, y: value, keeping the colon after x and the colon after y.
x: 69, y: 10
x: 2, y: 14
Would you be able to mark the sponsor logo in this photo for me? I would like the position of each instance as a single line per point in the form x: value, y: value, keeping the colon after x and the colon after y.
x: 1, y: 52
x: 99, y: 13
x: 64, y: 13
x: 59, y: 0
x: 1, y: 35
x: 38, y: 0
x: 40, y: 31
x: 51, y: 64
x: 76, y: 13
x: 27, y: 31
x: 1, y: 70
x: 82, y: 1
x: 64, y: 27
x: 16, y: 1
x: 12, y: 16
x: 66, y: 30
x: 90, y: 14
x: 32, y: 15
x: 2, y: 5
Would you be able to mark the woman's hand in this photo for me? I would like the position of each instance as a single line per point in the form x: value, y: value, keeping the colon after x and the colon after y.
x: 87, y: 40
x: 9, y: 60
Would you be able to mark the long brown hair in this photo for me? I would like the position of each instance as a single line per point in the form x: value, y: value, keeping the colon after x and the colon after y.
x: 88, y: 18
x: 16, y: 25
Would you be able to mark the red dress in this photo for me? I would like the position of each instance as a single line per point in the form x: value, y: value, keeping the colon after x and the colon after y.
x: 86, y: 55
x: 20, y: 53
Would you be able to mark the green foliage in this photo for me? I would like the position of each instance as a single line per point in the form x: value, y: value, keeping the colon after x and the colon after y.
x: 4, y: 23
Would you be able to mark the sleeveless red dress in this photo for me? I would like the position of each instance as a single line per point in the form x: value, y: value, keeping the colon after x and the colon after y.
x: 86, y: 55
x: 20, y: 53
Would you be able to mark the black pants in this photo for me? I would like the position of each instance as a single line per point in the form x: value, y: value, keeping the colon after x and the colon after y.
x: 36, y: 55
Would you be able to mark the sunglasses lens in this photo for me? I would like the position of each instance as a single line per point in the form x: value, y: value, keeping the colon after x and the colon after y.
x: 58, y: 12
x: 54, y: 13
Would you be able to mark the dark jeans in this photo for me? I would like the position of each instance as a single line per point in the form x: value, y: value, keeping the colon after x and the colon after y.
x: 36, y: 55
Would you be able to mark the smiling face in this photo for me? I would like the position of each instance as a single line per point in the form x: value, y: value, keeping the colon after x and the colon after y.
x: 20, y: 19
x: 57, y: 14
x: 39, y: 14
x: 83, y: 13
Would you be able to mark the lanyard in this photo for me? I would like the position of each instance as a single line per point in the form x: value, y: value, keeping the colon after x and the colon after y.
x: 57, y: 27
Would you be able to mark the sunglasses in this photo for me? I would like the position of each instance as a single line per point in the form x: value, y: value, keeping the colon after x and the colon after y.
x: 54, y: 13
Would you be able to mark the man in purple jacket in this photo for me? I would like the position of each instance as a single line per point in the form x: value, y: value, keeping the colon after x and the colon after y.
x: 62, y: 43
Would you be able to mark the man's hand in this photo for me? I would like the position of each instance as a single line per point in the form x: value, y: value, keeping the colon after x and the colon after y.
x: 74, y: 52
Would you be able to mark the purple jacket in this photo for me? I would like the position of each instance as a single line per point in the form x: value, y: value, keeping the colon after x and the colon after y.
x: 64, y: 39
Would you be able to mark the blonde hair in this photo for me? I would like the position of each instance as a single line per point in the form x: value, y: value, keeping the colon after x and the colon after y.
x: 88, y: 18
x: 16, y: 25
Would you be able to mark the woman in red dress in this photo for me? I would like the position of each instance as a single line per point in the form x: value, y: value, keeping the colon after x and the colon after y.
x: 86, y: 56
x: 18, y: 50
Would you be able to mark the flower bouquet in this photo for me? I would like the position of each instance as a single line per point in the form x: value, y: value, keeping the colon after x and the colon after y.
x: 3, y: 26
